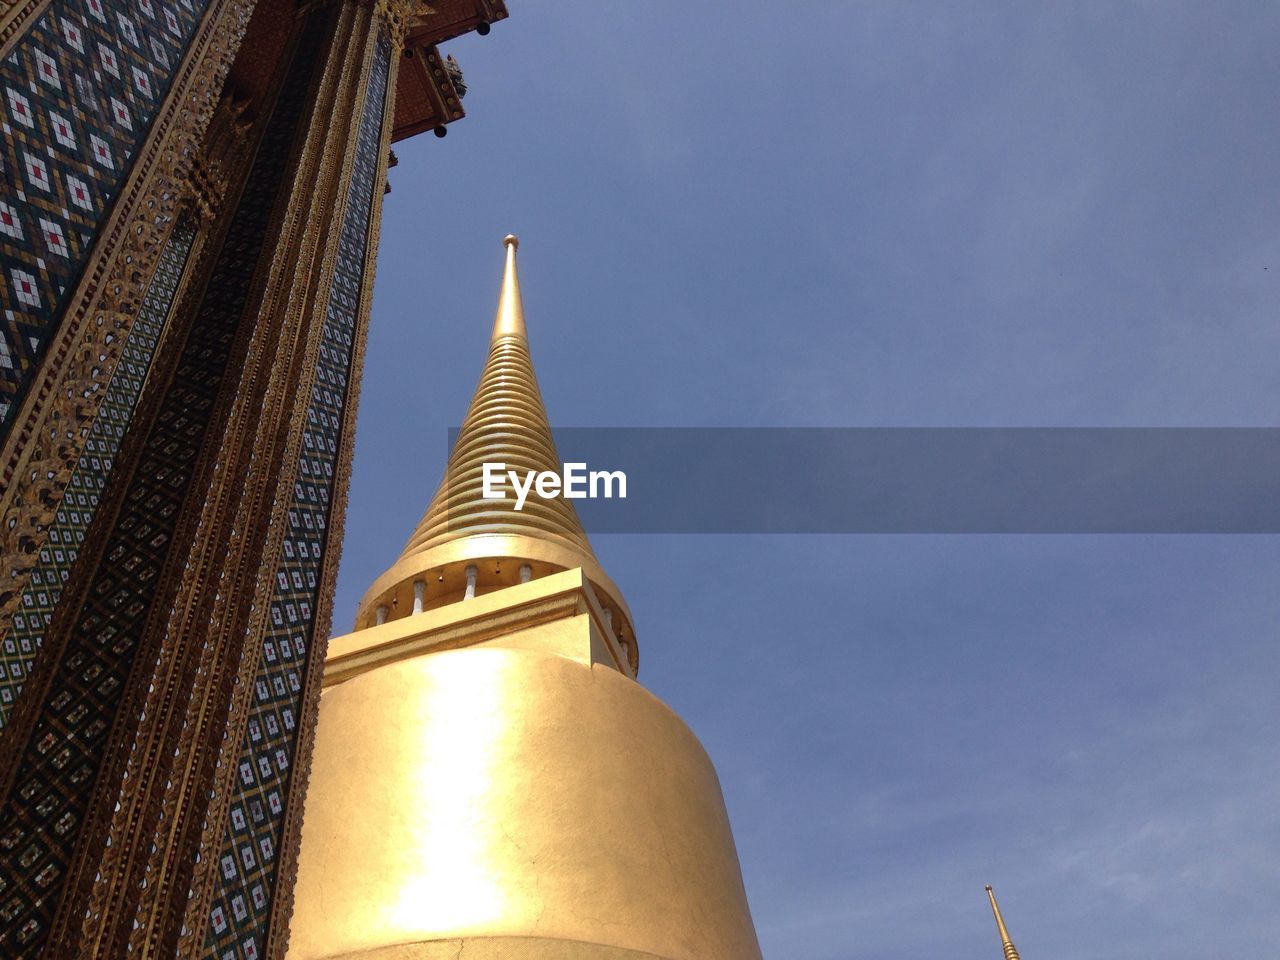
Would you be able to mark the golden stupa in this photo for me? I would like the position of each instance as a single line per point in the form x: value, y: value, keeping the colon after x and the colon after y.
x: 488, y: 777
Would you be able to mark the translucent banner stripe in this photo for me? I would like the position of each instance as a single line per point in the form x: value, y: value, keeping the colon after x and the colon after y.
x: 920, y: 480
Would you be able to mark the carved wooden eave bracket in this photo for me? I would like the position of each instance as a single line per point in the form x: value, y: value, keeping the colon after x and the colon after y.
x: 441, y: 20
x: 427, y: 90
x: 426, y: 95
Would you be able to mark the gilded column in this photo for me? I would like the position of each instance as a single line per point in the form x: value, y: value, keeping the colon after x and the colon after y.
x: 231, y: 681
x: 103, y: 774
x: 244, y: 885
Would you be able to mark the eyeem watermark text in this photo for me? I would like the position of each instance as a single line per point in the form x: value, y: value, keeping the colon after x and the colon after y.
x: 575, y: 483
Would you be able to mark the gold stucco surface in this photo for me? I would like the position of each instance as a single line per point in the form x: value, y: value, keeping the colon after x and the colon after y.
x: 489, y: 792
x: 500, y: 948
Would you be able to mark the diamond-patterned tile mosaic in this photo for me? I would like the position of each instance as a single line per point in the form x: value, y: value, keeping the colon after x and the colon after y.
x: 78, y: 93
x: 247, y: 861
x: 41, y: 818
x: 66, y: 533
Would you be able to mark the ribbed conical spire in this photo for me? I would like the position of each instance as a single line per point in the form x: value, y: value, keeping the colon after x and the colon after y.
x: 506, y: 423
x: 1010, y: 951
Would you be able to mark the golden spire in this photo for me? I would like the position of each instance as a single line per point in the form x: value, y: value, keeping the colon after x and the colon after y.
x: 506, y: 423
x: 509, y: 321
x: 1010, y: 951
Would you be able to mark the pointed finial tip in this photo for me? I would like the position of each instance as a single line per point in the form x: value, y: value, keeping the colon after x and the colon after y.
x: 988, y: 888
x: 511, y: 240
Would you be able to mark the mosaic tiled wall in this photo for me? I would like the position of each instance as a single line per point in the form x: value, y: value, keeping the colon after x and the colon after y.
x: 79, y: 91
x: 41, y: 818
x: 247, y: 862
x: 66, y: 533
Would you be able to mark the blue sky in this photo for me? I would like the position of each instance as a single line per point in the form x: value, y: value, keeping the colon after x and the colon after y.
x: 893, y: 214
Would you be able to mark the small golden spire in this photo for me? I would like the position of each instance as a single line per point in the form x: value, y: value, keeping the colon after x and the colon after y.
x: 509, y: 321
x: 1010, y: 951
x: 506, y: 423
